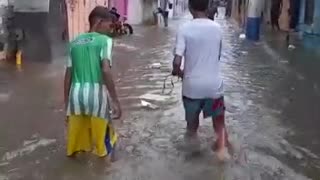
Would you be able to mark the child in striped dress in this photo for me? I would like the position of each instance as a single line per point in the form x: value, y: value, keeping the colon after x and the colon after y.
x: 89, y: 88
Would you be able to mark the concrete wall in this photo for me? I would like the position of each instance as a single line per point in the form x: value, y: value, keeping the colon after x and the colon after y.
x: 149, y: 6
x: 42, y: 24
x: 78, y: 13
x: 141, y: 11
x: 122, y: 6
x: 179, y: 7
x: 42, y: 29
x: 36, y: 46
x: 135, y: 11
x: 4, y: 13
x: 31, y: 5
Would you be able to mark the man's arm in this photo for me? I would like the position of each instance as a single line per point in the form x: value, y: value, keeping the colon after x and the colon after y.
x: 67, y: 80
x: 107, y: 76
x: 177, y: 61
x: 180, y: 48
x: 67, y: 85
x: 108, y: 80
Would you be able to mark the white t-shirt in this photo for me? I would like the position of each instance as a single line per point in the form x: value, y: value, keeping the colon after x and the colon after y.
x: 164, y: 4
x: 199, y: 41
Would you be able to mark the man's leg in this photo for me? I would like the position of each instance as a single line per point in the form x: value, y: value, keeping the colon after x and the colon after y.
x: 221, y: 132
x: 155, y: 16
x: 215, y: 108
x: 165, y: 15
x: 192, y: 111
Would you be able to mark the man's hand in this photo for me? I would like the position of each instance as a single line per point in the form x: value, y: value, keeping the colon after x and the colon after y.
x: 66, y: 121
x: 176, y: 66
x: 116, y: 110
x: 178, y: 73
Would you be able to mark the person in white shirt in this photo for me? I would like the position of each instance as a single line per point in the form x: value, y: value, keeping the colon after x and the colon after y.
x: 163, y: 9
x: 199, y: 42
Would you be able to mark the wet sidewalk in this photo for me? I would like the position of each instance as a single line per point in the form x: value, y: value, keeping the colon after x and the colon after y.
x: 272, y: 111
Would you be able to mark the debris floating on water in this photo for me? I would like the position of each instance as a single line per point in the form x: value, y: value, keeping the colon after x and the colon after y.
x: 156, y: 66
x: 242, y: 36
x: 148, y: 105
x: 291, y: 47
x: 155, y: 97
x: 244, y: 52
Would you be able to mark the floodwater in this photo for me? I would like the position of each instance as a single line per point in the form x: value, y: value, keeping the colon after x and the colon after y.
x: 272, y: 97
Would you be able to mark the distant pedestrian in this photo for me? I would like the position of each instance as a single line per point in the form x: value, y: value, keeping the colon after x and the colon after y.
x: 229, y: 8
x: 88, y: 88
x: 276, y: 8
x: 163, y: 9
x: 199, y: 42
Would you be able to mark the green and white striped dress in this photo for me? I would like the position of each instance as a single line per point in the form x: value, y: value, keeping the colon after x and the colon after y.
x: 88, y: 94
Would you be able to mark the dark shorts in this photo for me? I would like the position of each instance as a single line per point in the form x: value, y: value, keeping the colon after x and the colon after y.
x: 210, y: 108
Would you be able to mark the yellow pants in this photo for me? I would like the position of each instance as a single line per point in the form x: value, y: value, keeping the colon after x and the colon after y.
x: 86, y: 133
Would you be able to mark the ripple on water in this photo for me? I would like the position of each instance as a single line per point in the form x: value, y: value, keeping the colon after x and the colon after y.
x: 28, y: 147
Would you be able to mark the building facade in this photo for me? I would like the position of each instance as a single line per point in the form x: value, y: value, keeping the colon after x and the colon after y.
x: 135, y: 11
x: 30, y: 21
x: 179, y: 7
x: 121, y: 5
x: 78, y: 13
x: 5, y: 14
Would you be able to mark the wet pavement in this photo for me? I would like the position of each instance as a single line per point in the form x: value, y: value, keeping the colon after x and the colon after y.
x: 272, y: 97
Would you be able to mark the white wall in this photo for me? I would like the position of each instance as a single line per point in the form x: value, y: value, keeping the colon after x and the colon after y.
x: 31, y: 5
x: 135, y: 11
x: 4, y: 3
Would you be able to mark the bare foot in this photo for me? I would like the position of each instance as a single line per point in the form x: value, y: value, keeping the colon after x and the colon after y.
x: 223, y: 154
x: 73, y: 156
x: 192, y: 142
x: 113, y: 157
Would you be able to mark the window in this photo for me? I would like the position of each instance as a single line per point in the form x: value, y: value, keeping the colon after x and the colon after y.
x: 309, y: 12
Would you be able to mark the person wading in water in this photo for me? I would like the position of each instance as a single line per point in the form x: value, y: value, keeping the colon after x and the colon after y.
x: 199, y: 41
x: 88, y: 87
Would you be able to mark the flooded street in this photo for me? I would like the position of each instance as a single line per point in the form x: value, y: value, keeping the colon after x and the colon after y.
x: 272, y: 97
